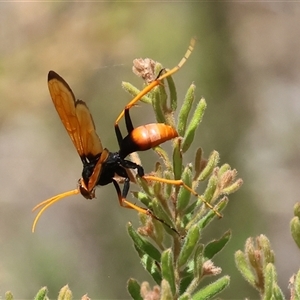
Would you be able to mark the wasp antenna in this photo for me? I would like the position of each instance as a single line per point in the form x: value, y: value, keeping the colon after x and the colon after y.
x: 47, y: 203
x: 182, y: 62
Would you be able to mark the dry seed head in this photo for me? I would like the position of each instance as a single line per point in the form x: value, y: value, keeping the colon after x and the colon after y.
x: 148, y: 294
x: 209, y: 268
x: 144, y: 68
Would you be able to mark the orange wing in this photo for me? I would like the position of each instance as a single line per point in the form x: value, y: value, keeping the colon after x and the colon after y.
x: 75, y: 116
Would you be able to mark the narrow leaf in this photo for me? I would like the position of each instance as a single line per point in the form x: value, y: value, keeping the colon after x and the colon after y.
x: 270, y: 279
x: 134, y: 289
x: 297, y: 210
x: 133, y: 91
x: 189, y: 245
x: 265, y: 246
x: 224, y: 168
x: 214, y: 247
x: 213, y: 289
x: 184, y: 195
x: 9, y: 296
x: 297, y: 284
x: 295, y: 230
x: 211, y: 188
x: 185, y: 110
x: 185, y: 296
x: 203, y: 220
x: 277, y: 293
x: 166, y: 293
x: 193, y: 125
x: 198, y: 262
x: 167, y: 268
x: 41, y: 294
x: 143, y: 244
x: 152, y: 267
x: 65, y: 293
x: 159, y: 99
x: 172, y: 93
x: 177, y: 159
x: 233, y: 187
x: 198, y: 163
x: 244, y: 267
x: 211, y: 164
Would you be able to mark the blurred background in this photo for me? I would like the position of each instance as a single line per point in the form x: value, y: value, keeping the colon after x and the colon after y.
x: 246, y: 65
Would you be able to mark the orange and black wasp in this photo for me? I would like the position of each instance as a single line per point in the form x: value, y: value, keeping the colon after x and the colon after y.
x: 100, y: 166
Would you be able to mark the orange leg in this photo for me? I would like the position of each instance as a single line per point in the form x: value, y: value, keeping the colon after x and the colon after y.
x: 158, y: 80
x: 181, y: 183
x: 126, y: 204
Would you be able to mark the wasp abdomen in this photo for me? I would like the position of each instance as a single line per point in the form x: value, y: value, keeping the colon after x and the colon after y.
x: 146, y: 137
x: 152, y: 135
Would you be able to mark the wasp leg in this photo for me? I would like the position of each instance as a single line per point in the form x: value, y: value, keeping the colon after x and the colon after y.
x: 126, y: 204
x: 131, y: 165
x: 118, y: 134
x: 129, y: 127
x: 128, y: 121
x: 181, y: 183
x: 158, y: 80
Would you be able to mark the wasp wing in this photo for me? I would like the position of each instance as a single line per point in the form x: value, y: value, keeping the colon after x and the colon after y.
x: 75, y: 116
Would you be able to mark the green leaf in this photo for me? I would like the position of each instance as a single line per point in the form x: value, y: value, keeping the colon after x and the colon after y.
x: 152, y: 267
x: 297, y: 210
x: 41, y: 294
x: 159, y: 98
x: 204, y: 220
x: 184, y: 195
x: 142, y: 244
x: 193, y: 125
x: 166, y: 293
x: 128, y: 87
x: 177, y: 159
x: 223, y: 169
x: 277, y: 293
x: 186, y: 280
x: 211, y: 290
x: 65, y: 293
x: 185, y: 110
x: 233, y: 187
x: 134, y: 289
x: 295, y: 230
x: 189, y: 245
x: 167, y: 269
x: 172, y: 93
x: 145, y: 186
x: 163, y: 215
x: 270, y: 279
x: 244, y: 267
x: 211, y: 164
x: 9, y: 296
x: 185, y: 296
x: 211, y: 188
x: 265, y: 246
x: 168, y: 187
x: 198, y: 262
x: 164, y: 156
x: 296, y: 284
x: 214, y: 247
x: 198, y: 165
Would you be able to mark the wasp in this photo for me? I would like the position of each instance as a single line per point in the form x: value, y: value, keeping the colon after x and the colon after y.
x: 100, y: 166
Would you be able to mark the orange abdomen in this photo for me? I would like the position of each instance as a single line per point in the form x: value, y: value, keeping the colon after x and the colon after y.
x: 151, y: 135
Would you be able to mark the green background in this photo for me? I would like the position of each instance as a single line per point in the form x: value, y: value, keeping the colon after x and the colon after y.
x: 245, y: 64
